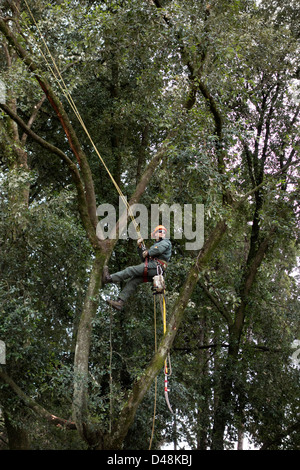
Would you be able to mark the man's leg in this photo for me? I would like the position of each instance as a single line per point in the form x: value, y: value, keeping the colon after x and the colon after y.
x: 127, y: 273
x: 135, y: 276
x: 130, y: 288
x: 134, y: 282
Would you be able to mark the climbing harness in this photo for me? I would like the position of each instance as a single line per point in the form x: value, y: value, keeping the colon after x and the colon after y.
x: 145, y: 274
x: 163, y: 264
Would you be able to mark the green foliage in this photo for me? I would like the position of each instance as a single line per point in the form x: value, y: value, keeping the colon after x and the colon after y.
x: 130, y: 68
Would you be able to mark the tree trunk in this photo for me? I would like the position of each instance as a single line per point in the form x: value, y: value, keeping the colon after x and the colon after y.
x: 18, y: 438
x: 203, y: 405
x: 240, y: 443
x: 82, y: 349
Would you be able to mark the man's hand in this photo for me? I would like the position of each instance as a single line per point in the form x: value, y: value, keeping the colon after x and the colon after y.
x: 145, y: 254
x: 140, y: 242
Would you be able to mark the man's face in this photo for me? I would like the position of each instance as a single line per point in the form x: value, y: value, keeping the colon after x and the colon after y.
x: 159, y: 235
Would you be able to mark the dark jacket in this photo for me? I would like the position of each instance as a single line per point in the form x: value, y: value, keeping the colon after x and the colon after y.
x: 161, y: 249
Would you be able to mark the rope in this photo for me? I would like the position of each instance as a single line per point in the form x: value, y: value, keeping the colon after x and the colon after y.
x: 72, y: 104
x: 155, y: 385
x: 165, y: 329
x: 167, y: 373
x: 110, y: 371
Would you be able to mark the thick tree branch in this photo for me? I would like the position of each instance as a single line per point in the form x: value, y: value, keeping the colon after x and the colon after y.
x: 252, y: 266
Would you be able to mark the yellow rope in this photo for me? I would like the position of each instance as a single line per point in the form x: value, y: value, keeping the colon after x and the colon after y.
x: 110, y: 372
x: 71, y: 102
x: 155, y: 385
x: 165, y: 325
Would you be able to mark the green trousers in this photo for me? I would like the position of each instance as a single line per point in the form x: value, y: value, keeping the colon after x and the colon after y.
x: 134, y: 276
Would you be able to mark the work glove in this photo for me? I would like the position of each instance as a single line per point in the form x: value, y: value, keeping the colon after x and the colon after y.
x: 140, y: 242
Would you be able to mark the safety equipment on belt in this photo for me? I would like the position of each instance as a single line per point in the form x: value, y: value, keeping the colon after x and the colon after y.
x: 158, y: 284
x: 158, y: 280
x: 162, y: 263
x: 159, y: 228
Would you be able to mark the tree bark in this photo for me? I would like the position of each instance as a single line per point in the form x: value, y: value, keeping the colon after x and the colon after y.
x: 82, y: 350
x: 18, y: 438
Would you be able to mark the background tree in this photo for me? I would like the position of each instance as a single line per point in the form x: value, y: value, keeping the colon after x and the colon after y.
x: 188, y: 103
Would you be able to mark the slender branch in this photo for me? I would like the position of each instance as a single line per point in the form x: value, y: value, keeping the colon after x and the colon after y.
x: 37, y: 138
x: 243, y: 198
x: 32, y: 118
x: 200, y: 347
x: 220, y: 306
x: 226, y: 345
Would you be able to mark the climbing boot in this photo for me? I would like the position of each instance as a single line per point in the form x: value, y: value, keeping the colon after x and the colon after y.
x: 106, y: 277
x: 116, y: 304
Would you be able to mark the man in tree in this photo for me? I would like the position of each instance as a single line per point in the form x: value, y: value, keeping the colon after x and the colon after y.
x: 158, y: 255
